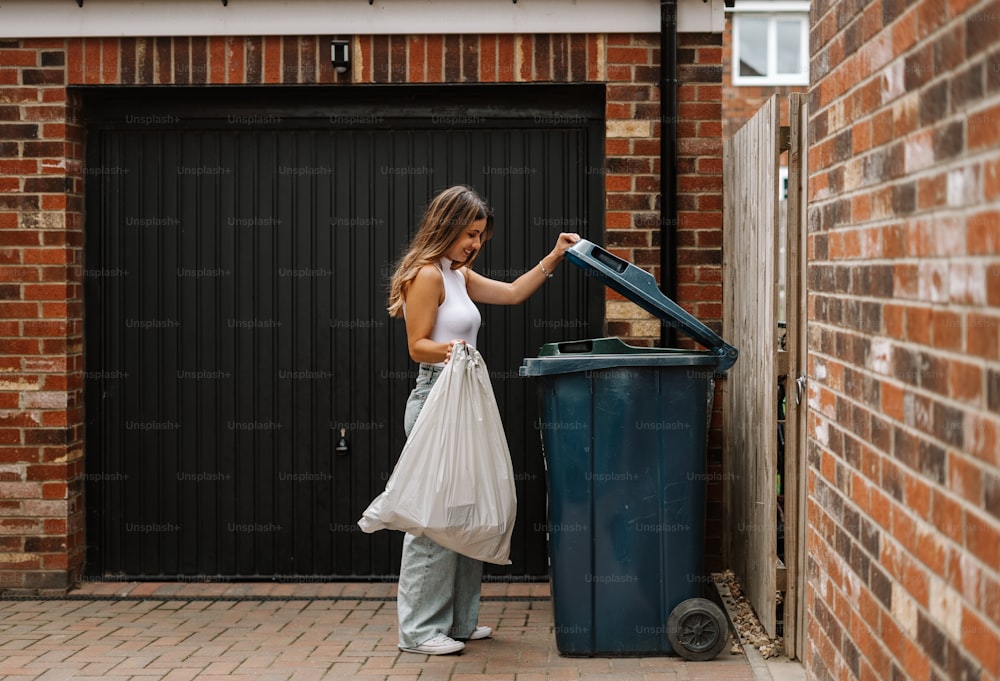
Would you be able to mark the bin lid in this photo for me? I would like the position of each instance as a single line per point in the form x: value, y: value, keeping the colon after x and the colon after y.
x: 594, y: 354
x: 640, y: 287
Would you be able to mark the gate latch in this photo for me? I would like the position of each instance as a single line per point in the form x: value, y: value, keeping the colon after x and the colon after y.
x: 800, y: 387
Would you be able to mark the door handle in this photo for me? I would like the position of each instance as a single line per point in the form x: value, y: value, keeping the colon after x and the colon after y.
x: 343, y: 446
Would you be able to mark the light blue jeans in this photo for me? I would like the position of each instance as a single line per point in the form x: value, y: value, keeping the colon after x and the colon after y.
x: 438, y: 588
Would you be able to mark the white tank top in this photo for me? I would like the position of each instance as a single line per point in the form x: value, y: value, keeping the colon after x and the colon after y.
x: 457, y: 317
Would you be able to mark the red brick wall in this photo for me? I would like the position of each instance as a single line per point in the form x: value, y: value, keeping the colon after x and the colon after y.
x: 699, y: 231
x: 904, y: 374
x: 41, y: 214
x: 41, y: 324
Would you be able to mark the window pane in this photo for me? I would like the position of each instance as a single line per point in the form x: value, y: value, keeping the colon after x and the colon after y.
x: 789, y: 37
x: 753, y: 46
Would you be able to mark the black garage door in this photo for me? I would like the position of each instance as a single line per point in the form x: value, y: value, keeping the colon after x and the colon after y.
x: 245, y: 387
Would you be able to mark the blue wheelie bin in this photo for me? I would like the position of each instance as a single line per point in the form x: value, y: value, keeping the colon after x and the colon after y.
x: 624, y: 433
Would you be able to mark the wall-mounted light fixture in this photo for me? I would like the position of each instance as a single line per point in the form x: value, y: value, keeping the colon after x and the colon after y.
x: 340, y: 54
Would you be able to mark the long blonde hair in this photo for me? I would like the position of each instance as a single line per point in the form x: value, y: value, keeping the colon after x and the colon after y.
x: 447, y: 216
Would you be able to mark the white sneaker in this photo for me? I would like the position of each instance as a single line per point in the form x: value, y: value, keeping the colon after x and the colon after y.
x: 439, y: 645
x: 481, y: 632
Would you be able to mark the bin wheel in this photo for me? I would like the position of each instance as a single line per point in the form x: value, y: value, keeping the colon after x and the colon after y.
x: 697, y: 629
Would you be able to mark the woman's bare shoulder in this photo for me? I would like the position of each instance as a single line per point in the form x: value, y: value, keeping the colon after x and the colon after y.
x: 427, y: 282
x: 428, y: 274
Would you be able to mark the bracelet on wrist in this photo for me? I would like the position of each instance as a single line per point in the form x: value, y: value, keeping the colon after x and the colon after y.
x: 544, y: 271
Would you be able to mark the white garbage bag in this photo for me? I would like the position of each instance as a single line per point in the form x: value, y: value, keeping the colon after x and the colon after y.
x: 454, y: 482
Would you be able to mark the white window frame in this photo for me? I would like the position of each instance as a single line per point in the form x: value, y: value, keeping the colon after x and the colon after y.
x: 766, y: 10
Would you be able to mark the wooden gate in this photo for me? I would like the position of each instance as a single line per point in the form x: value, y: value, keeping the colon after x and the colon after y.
x: 764, y: 269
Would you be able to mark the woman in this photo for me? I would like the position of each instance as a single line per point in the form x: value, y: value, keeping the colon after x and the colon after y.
x: 435, y: 290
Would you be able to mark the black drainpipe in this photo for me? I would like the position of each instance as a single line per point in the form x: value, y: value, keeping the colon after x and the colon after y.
x: 668, y: 161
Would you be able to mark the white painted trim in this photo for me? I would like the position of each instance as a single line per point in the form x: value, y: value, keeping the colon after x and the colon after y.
x: 701, y: 16
x: 114, y: 18
x: 769, y: 6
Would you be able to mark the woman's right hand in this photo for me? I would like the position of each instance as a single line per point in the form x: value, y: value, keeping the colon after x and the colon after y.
x: 451, y: 345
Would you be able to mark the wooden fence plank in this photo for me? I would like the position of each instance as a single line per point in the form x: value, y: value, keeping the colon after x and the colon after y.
x: 795, y: 419
x: 750, y: 200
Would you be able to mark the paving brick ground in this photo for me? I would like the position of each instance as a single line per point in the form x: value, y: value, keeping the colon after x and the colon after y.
x: 277, y: 632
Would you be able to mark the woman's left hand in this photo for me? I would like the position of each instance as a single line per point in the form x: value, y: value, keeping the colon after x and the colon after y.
x: 565, y: 240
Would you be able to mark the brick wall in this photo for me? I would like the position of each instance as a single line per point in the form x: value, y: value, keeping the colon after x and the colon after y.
x: 41, y: 324
x: 904, y: 374
x: 41, y: 214
x: 699, y: 231
x: 633, y: 175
